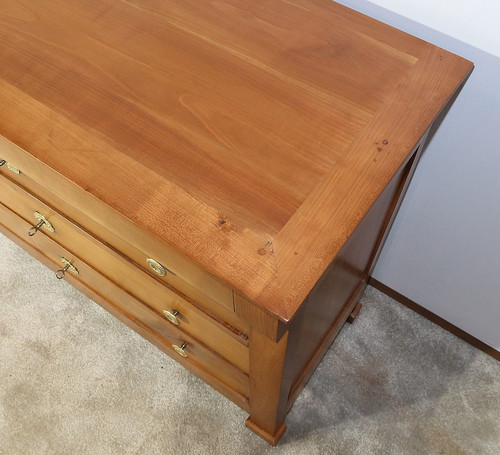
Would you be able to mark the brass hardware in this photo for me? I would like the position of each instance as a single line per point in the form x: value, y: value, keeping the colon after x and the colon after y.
x: 172, y: 316
x: 180, y: 349
x: 10, y: 166
x: 34, y: 229
x: 13, y: 168
x: 68, y: 267
x: 42, y: 221
x: 46, y: 223
x: 156, y: 267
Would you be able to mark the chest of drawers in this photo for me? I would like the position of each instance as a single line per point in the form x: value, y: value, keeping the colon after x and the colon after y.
x: 219, y: 176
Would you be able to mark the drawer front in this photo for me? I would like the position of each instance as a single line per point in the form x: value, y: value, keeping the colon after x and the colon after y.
x: 114, y: 229
x: 220, y: 336
x: 197, y: 354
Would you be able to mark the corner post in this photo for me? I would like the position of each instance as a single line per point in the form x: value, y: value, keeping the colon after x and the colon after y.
x: 267, y: 398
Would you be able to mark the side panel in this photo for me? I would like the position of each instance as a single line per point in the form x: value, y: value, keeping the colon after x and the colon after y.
x: 338, y: 291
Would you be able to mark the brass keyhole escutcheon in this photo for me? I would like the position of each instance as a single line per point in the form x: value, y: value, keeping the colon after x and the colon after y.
x: 68, y: 267
x: 42, y: 222
x: 180, y: 349
x: 156, y: 267
x: 13, y: 168
x: 172, y: 316
x: 10, y: 167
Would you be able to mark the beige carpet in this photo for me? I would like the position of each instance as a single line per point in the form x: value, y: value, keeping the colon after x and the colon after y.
x: 74, y: 380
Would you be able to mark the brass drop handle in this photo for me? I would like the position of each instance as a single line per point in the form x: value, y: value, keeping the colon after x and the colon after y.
x: 172, y: 316
x: 180, y: 349
x: 68, y: 267
x: 42, y: 221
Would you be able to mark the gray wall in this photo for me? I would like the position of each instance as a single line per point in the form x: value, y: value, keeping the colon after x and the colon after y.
x: 443, y: 251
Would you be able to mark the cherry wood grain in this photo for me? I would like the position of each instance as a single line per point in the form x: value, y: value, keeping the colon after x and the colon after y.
x: 143, y: 330
x: 259, y: 149
x: 115, y: 230
x: 337, y: 293
x: 250, y: 136
x: 193, y: 319
x: 267, y: 396
x: 202, y: 360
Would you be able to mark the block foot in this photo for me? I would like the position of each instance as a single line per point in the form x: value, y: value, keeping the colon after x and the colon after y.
x: 354, y: 313
x: 268, y: 437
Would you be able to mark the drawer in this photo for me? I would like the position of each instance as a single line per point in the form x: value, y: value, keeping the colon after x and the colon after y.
x: 197, y: 353
x: 190, y: 318
x: 115, y: 229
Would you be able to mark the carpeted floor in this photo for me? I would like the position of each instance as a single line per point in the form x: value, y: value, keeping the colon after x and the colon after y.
x: 74, y: 380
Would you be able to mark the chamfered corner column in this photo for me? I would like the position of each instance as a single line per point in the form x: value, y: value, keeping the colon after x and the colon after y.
x: 268, y: 400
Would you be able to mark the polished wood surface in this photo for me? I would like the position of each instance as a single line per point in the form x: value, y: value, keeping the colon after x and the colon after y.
x: 354, y: 313
x: 258, y: 150
x: 128, y: 308
x: 227, y: 341
x: 268, y: 396
x: 146, y: 332
x: 265, y: 130
x: 336, y: 295
x: 115, y: 230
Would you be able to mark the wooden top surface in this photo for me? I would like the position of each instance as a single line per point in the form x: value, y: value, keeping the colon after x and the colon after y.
x: 250, y: 135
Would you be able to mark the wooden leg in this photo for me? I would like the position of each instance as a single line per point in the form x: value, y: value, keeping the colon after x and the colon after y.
x: 354, y: 313
x: 268, y: 437
x: 267, y: 398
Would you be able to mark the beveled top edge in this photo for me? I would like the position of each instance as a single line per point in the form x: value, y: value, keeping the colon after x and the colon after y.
x: 264, y: 269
